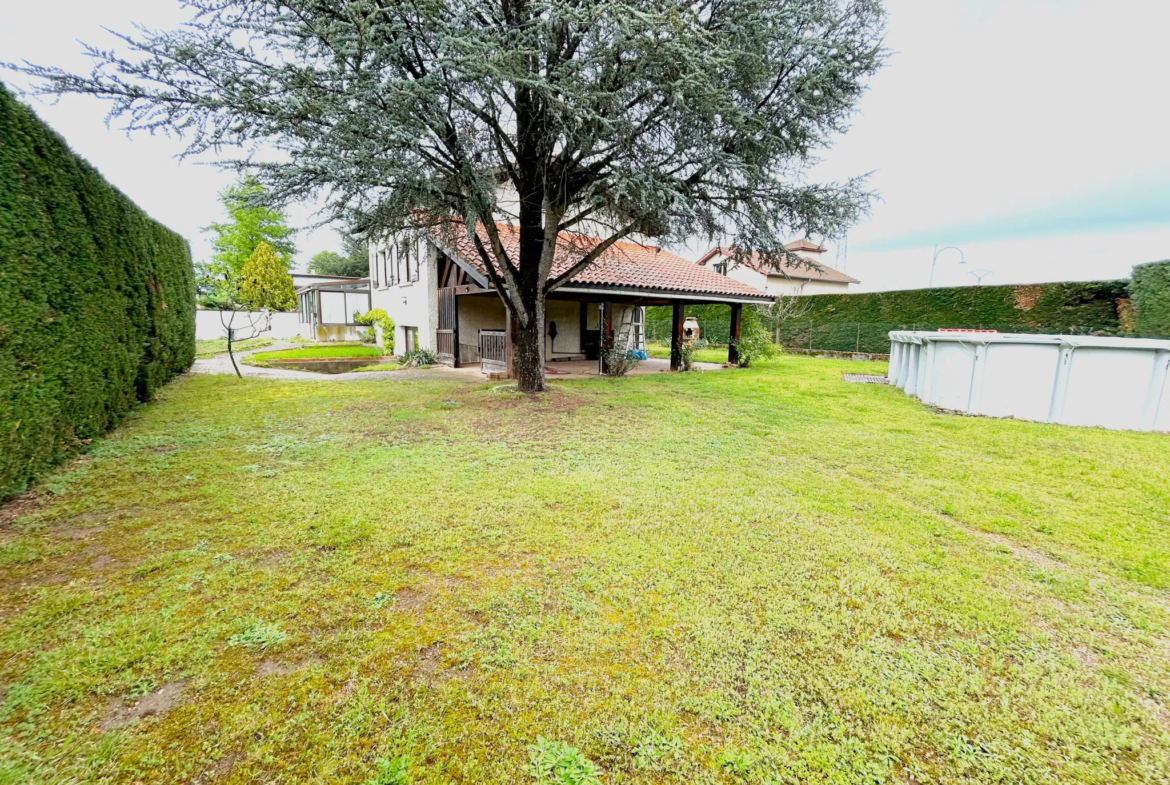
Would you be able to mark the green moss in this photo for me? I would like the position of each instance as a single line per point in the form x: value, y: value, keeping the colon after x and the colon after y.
x: 97, y: 301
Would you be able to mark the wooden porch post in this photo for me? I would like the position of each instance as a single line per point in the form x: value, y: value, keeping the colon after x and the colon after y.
x: 676, y: 334
x: 733, y: 340
x: 455, y: 306
x: 509, y: 341
x: 606, y: 335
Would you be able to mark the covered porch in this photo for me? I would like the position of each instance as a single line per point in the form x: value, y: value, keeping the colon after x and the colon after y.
x: 583, y: 324
x: 600, y: 311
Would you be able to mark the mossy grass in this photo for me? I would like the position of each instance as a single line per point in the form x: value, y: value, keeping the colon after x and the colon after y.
x: 762, y: 576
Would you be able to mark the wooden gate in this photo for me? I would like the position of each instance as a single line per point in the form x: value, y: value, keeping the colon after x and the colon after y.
x: 447, y: 334
x: 493, y: 351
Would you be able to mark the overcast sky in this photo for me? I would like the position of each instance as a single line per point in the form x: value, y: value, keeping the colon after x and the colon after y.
x: 1030, y: 133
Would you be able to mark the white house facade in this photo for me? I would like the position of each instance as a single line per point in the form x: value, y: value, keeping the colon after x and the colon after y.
x: 794, y: 279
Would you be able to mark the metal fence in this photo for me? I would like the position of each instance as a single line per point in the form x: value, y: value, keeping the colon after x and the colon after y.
x: 873, y: 337
x: 865, y: 337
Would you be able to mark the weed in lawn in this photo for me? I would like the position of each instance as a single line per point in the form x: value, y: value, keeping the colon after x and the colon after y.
x: 259, y: 635
x: 392, y: 771
x: 557, y: 763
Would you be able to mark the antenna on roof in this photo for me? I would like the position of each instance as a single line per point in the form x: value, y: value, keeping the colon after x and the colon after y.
x: 842, y: 261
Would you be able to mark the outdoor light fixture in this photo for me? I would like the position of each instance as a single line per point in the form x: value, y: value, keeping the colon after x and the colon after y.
x: 937, y: 252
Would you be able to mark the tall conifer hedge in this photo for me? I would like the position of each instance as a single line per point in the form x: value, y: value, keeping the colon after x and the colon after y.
x: 97, y: 301
x: 1149, y: 292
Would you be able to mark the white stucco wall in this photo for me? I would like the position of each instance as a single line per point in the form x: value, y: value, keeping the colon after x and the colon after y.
x: 208, y: 326
x: 411, y: 304
x: 779, y: 285
x: 567, y: 315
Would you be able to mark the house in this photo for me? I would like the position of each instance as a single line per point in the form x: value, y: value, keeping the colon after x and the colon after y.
x: 435, y: 287
x: 793, y: 278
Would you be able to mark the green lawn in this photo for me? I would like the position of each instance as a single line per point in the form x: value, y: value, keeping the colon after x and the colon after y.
x: 207, y: 349
x: 750, y: 576
x: 712, y: 354
x: 316, y: 352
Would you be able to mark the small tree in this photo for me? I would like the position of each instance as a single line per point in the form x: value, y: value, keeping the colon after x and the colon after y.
x: 251, y: 222
x: 755, y: 336
x: 333, y: 263
x: 265, y: 282
x: 241, y: 326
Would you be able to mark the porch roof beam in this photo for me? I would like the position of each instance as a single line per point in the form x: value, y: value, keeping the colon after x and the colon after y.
x: 695, y: 298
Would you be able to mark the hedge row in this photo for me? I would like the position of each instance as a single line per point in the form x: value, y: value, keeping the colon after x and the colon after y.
x: 97, y: 301
x: 848, y: 322
x: 1149, y: 294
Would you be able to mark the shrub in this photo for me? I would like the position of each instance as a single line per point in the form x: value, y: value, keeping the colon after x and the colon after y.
x: 419, y: 358
x: 378, y: 317
x: 619, y: 362
x: 1149, y: 294
x: 97, y: 301
x: 687, y: 353
x: 755, y: 338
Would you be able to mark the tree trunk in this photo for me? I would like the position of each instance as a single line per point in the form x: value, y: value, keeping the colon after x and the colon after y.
x: 529, y: 354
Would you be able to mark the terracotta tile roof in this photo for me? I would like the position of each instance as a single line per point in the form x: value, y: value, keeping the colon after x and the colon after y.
x: 822, y: 272
x: 623, y: 265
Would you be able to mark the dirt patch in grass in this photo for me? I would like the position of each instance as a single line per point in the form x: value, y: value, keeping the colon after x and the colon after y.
x: 410, y: 598
x: 273, y: 666
x: 157, y: 703
x: 81, y: 534
x: 429, y: 660
x: 24, y: 504
x: 103, y: 562
x: 271, y: 558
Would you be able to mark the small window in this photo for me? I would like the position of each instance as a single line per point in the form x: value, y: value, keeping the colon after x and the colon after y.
x: 417, y: 261
x: 721, y: 268
x: 408, y: 252
x: 374, y: 268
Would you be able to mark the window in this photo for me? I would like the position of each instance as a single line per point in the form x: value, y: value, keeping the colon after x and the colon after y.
x: 721, y: 267
x: 374, y: 268
x: 333, y: 308
x: 417, y: 260
x: 355, y: 303
x: 408, y: 252
x: 394, y: 276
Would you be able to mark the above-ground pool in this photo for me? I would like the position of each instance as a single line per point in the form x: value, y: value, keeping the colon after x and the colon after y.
x: 1119, y: 383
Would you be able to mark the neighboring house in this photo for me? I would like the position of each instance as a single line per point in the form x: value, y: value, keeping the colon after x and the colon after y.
x: 435, y: 287
x: 795, y: 277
